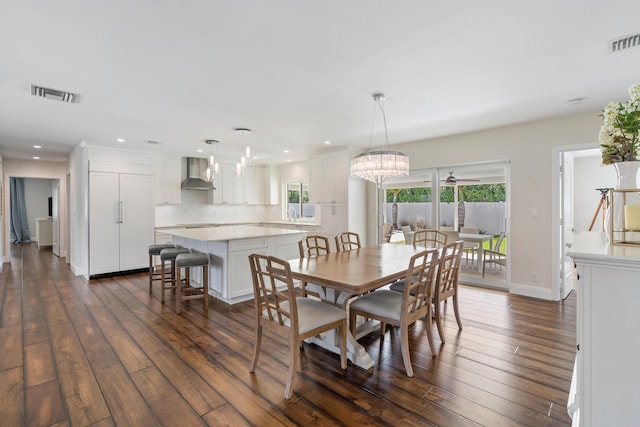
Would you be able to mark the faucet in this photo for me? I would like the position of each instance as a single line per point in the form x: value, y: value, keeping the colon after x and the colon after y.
x: 292, y: 214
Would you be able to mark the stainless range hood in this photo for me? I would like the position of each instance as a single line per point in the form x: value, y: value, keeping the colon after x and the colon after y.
x: 195, y: 174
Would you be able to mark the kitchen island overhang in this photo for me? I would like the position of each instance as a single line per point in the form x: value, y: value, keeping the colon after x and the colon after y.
x: 229, y: 247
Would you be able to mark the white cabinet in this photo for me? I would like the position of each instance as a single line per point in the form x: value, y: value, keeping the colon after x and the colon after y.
x: 120, y: 221
x: 340, y: 199
x: 44, y: 231
x: 334, y: 219
x: 329, y: 177
x: 606, y: 386
x: 248, y: 188
x: 167, y: 180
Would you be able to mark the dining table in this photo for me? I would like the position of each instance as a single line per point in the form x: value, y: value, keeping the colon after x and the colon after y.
x: 339, y: 276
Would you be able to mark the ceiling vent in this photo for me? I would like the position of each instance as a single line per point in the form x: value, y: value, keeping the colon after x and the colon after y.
x: 54, y: 94
x: 624, y: 43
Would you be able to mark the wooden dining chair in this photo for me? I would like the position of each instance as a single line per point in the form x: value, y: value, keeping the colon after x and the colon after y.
x: 493, y: 255
x: 447, y: 283
x: 429, y: 238
x: 402, y: 309
x: 347, y: 240
x: 278, y: 307
x: 313, y: 245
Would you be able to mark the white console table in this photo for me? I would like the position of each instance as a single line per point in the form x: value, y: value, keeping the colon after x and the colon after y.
x: 605, y: 389
x: 44, y: 231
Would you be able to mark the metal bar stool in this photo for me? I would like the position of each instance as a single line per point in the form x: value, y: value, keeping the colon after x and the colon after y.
x: 169, y: 255
x: 154, y: 274
x: 187, y: 292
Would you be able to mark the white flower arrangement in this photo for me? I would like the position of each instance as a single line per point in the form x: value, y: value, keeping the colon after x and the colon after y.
x: 619, y: 132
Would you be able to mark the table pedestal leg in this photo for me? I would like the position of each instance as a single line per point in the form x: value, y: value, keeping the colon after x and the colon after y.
x: 331, y: 341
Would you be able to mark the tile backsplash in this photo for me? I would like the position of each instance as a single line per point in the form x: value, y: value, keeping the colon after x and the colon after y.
x: 203, y: 213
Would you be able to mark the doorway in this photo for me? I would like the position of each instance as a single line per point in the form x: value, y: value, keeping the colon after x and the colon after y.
x: 37, y: 220
x: 576, y: 206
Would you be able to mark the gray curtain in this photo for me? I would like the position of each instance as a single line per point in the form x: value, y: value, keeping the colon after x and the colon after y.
x: 19, y: 221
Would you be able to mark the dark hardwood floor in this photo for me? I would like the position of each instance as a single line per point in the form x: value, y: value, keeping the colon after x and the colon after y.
x: 104, y: 353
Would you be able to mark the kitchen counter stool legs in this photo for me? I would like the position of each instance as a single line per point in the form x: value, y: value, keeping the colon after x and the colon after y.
x: 154, y: 251
x: 187, y: 292
x: 169, y: 256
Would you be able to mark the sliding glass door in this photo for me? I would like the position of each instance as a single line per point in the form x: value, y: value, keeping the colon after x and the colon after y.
x: 468, y: 202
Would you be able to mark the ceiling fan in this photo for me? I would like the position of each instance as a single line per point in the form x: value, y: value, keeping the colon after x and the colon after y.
x: 451, y: 180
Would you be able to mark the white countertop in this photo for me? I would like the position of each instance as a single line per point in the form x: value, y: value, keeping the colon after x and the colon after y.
x: 232, y: 232
x: 293, y: 224
x: 593, y: 247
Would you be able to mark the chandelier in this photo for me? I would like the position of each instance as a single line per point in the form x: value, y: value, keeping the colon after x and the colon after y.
x: 378, y: 166
x: 212, y: 166
x: 245, y: 155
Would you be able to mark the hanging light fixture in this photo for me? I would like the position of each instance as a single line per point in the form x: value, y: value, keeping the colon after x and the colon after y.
x: 378, y: 166
x: 212, y: 165
x: 245, y: 156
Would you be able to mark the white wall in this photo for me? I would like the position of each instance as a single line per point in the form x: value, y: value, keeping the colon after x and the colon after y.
x: 589, y: 174
x: 529, y: 148
x: 35, y: 169
x: 36, y: 198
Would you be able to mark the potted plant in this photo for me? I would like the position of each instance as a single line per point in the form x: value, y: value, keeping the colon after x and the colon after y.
x: 619, y: 138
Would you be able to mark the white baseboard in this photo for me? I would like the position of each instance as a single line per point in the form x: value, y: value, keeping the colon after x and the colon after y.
x: 531, y: 291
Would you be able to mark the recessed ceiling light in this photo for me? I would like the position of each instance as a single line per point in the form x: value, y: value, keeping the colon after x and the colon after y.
x: 285, y: 151
x: 120, y: 140
x: 327, y: 142
x: 36, y: 158
x: 37, y: 146
x: 199, y: 150
x: 288, y: 160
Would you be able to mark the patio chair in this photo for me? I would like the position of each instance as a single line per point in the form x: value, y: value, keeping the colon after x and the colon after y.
x: 494, y: 256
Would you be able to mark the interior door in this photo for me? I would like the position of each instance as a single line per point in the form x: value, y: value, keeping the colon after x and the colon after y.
x: 566, y: 224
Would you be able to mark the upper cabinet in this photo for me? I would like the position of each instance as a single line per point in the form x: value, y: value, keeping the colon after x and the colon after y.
x: 167, y: 180
x: 329, y: 177
x: 248, y: 188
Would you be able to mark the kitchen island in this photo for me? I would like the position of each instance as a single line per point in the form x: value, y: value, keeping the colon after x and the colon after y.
x: 229, y: 248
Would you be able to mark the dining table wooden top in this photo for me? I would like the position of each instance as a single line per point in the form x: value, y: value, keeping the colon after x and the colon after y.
x: 357, y: 271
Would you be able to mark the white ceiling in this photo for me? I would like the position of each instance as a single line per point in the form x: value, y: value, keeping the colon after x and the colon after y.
x: 300, y: 72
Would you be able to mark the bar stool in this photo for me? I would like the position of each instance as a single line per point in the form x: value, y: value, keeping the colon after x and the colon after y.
x: 187, y: 261
x: 154, y: 250
x: 169, y: 255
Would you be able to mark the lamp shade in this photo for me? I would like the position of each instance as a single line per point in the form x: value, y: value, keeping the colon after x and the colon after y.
x: 377, y: 166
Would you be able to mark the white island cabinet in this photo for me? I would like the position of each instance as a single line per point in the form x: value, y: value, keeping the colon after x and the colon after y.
x: 605, y: 389
x: 229, y: 248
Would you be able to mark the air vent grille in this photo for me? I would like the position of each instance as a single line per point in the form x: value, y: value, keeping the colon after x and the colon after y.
x: 624, y: 43
x: 54, y: 94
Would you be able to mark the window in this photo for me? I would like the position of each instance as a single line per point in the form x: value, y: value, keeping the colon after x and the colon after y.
x: 298, y: 205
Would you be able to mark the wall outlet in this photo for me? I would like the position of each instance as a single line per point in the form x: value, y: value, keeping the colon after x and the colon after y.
x: 534, y: 276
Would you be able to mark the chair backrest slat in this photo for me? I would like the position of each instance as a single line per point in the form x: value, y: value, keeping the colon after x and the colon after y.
x: 448, y: 271
x: 429, y: 238
x: 313, y: 245
x: 418, y: 289
x: 347, y: 241
x: 273, y: 290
